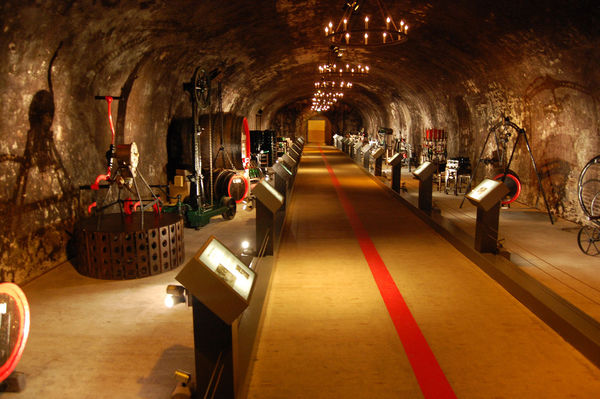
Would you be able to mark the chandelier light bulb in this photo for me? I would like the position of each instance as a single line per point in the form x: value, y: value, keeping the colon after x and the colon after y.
x: 387, y: 23
x: 347, y: 38
x: 345, y: 23
x: 366, y: 22
x: 366, y: 39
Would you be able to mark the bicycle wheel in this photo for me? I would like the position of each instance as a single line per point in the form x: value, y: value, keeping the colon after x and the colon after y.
x: 589, y: 189
x: 588, y: 240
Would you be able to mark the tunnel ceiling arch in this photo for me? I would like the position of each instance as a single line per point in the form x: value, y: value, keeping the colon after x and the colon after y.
x: 270, y: 49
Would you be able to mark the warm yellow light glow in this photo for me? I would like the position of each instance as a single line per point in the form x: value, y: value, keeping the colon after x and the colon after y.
x: 169, y: 301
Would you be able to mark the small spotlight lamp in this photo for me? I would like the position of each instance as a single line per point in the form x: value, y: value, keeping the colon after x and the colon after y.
x: 176, y: 294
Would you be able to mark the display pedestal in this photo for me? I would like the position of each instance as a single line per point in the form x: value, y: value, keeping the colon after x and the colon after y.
x: 268, y: 202
x: 425, y: 195
x: 283, y: 178
x: 377, y: 156
x: 487, y: 197
x: 486, y: 229
x: 265, y: 227
x: 213, y: 352
x: 396, y: 162
x: 424, y: 174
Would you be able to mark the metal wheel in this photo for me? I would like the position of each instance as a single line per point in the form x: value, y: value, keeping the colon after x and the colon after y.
x: 231, y: 205
x: 588, y: 239
x: 589, y: 189
x: 201, y: 88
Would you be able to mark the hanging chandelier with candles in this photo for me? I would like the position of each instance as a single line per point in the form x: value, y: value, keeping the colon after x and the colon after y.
x: 361, y: 26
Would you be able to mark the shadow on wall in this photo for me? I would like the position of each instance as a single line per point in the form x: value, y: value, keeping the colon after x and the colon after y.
x: 555, y: 174
x: 38, y: 193
x: 563, y: 124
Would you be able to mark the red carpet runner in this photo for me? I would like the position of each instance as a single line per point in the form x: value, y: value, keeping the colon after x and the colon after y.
x: 430, y: 376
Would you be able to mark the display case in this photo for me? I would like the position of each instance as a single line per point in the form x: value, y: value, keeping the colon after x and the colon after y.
x: 218, y: 279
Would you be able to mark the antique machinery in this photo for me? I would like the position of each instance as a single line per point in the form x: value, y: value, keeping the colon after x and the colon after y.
x: 202, y: 204
x: 588, y: 190
x: 122, y: 173
x: 132, y: 243
x: 507, y: 176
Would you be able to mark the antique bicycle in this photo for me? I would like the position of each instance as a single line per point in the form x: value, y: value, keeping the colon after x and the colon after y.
x: 588, y: 186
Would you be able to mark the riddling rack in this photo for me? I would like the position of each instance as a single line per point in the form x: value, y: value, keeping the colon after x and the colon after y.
x: 435, y: 146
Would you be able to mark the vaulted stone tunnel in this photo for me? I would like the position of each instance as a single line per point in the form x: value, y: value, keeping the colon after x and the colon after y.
x: 465, y: 66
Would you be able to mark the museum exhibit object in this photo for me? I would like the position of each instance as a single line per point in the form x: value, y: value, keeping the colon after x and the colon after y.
x: 502, y: 132
x: 487, y: 197
x: 221, y: 286
x: 131, y: 243
x: 424, y: 174
x: 15, y: 321
x: 212, y: 192
x: 458, y: 173
x: 588, y: 193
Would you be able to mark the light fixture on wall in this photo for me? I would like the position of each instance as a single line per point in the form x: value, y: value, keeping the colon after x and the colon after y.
x: 366, y: 25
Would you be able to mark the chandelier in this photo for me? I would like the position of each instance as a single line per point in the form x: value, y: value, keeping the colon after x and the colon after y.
x: 364, y: 27
x: 323, y: 100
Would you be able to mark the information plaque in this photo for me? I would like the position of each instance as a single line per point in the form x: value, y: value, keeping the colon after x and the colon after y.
x: 282, y: 171
x: 487, y: 194
x: 218, y: 279
x: 396, y: 159
x: 424, y: 171
x: 377, y: 152
x: 270, y: 197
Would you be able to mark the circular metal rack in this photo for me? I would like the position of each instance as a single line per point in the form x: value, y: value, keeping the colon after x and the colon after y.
x: 116, y: 247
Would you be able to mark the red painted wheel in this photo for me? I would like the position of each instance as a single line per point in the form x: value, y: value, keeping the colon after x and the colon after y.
x: 127, y: 205
x: 14, y: 311
x: 514, y: 185
x: 234, y: 195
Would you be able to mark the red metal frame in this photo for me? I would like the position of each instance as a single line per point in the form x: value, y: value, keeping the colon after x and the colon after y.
x: 13, y: 291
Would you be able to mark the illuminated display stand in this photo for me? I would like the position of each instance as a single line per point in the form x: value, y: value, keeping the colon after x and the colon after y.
x: 377, y: 155
x: 424, y: 174
x: 294, y: 154
x: 356, y: 151
x: 283, y: 178
x: 487, y: 197
x: 365, y: 151
x: 221, y: 286
x: 346, y: 145
x: 289, y: 162
x: 396, y: 163
x: 268, y: 202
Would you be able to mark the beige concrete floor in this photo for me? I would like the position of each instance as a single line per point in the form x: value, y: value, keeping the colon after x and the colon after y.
x: 548, y: 252
x: 327, y: 334
x: 113, y: 339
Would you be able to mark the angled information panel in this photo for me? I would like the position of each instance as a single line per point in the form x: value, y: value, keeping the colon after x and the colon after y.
x: 487, y: 194
x: 396, y: 159
x: 270, y: 197
x: 282, y: 171
x: 424, y: 171
x: 377, y: 152
x: 218, y: 279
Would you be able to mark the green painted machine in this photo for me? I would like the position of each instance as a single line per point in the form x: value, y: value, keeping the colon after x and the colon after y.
x: 203, y: 204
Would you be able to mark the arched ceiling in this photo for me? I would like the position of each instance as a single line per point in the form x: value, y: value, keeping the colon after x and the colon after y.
x: 269, y: 50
